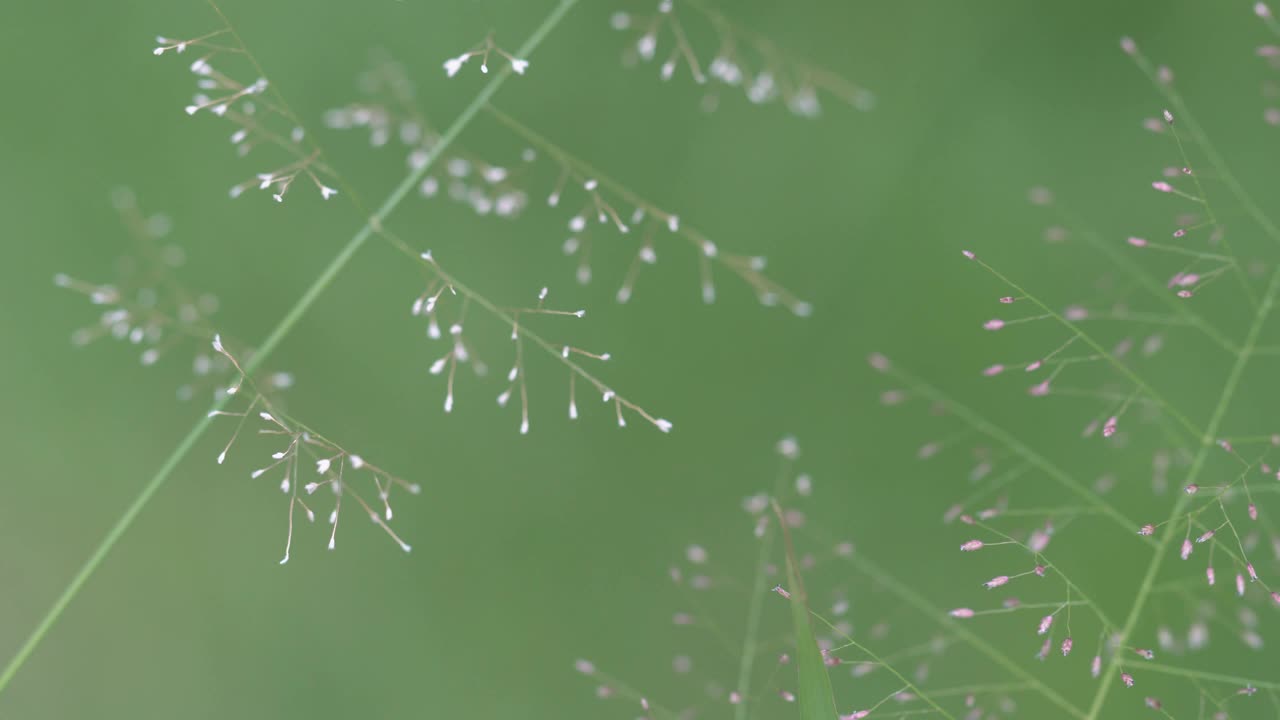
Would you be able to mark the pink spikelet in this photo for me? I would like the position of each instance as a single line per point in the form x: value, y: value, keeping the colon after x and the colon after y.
x: 996, y: 582
x: 971, y: 546
x: 1109, y: 428
x: 961, y: 613
x: 1045, y: 622
x: 1147, y: 530
x: 1095, y: 667
x: 1210, y: 575
x: 1127, y: 679
x: 993, y: 324
x: 1186, y: 548
x: 1066, y: 647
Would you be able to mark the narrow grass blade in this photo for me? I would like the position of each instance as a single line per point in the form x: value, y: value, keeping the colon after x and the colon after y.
x: 817, y: 702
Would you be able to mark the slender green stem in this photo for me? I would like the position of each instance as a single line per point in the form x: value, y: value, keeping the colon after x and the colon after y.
x: 1210, y: 676
x: 1019, y: 448
x: 282, y: 329
x: 1197, y: 464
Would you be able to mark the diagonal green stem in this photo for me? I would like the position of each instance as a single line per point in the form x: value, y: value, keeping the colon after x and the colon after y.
x: 1018, y: 447
x: 1206, y: 444
x: 1210, y: 676
x: 282, y: 329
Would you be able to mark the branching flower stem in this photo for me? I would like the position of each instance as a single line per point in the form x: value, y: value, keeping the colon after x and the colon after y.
x: 273, y: 340
x: 1206, y: 445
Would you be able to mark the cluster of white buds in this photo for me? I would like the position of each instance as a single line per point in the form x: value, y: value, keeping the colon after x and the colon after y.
x: 389, y: 114
x: 148, y: 307
x: 593, y: 204
x: 336, y: 468
x: 744, y: 60
x: 429, y: 306
x: 219, y: 93
x: 454, y: 64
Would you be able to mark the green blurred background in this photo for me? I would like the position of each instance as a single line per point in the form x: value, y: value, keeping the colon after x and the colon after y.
x: 533, y: 551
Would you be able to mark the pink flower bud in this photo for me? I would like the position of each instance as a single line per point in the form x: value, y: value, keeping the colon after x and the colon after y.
x: 1045, y: 622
